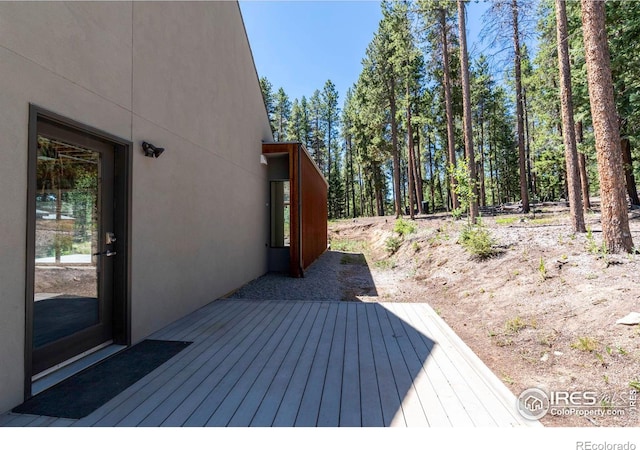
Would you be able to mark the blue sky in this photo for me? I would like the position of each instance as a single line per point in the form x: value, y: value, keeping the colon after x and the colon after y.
x: 298, y: 45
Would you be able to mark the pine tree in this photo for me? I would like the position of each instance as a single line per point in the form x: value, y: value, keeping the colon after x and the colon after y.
x: 438, y: 18
x: 316, y: 135
x: 331, y: 122
x: 295, y: 129
x: 267, y: 95
x: 568, y: 125
x: 614, y: 216
x: 384, y: 79
x: 336, y: 191
x: 466, y: 100
x: 282, y: 114
x: 305, y: 126
x: 506, y: 20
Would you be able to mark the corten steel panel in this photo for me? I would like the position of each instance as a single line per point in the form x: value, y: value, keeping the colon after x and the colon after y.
x: 295, y: 268
x: 314, y: 210
x: 279, y: 147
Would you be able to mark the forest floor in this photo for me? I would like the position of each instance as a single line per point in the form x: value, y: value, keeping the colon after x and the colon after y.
x: 540, y: 313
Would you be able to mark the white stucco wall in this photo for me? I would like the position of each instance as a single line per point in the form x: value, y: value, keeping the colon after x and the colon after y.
x: 179, y: 75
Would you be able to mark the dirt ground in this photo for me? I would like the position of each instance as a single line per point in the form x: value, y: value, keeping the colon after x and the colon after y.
x: 540, y: 313
x: 74, y: 280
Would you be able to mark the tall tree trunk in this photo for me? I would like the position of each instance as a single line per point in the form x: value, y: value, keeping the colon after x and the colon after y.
x: 614, y: 216
x: 483, y: 188
x: 329, y: 151
x: 492, y: 180
x: 440, y: 193
x: 317, y: 141
x: 524, y: 191
x: 466, y: 108
x: 377, y: 191
x: 432, y: 184
x: 582, y: 167
x: 632, y: 190
x: 419, y: 180
x: 527, y: 147
x: 568, y: 124
x: 395, y: 150
x: 403, y: 185
x: 410, y: 155
x: 348, y: 180
x: 371, y: 197
x: 353, y: 184
x: 449, y: 109
x: 534, y: 178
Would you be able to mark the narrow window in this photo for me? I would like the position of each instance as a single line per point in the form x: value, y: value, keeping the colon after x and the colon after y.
x: 280, y: 216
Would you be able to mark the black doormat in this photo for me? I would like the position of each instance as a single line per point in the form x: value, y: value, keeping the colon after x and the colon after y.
x: 83, y: 393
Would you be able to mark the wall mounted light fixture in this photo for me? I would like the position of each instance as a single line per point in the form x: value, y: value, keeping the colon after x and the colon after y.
x: 151, y: 150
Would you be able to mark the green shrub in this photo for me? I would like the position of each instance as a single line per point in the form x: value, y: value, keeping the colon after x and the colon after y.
x: 62, y: 244
x: 346, y: 245
x: 542, y: 270
x: 585, y: 344
x: 478, y: 241
x: 392, y: 244
x: 515, y: 325
x: 403, y: 228
x: 506, y: 220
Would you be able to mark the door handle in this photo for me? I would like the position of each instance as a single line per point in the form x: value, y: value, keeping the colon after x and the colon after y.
x: 105, y: 253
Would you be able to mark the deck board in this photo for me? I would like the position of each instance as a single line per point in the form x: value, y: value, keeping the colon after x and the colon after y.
x: 492, y: 394
x: 216, y: 348
x: 312, y: 396
x: 153, y: 392
x: 370, y: 403
x: 306, y: 363
x: 412, y: 410
x: 455, y: 410
x: 281, y: 402
x: 281, y: 363
x: 262, y: 367
x: 350, y: 413
x: 390, y: 399
x: 451, y: 390
x: 329, y: 413
x: 5, y: 419
x: 217, y: 378
x: 290, y: 405
x: 61, y: 422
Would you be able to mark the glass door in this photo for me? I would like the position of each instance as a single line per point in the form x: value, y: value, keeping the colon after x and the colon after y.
x: 74, y: 245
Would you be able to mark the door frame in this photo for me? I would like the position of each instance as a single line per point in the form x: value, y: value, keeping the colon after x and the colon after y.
x: 123, y: 159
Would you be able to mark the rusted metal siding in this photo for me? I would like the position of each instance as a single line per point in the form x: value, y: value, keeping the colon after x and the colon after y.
x: 295, y: 251
x: 314, y: 210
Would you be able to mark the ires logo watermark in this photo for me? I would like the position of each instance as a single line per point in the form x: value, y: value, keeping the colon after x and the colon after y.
x: 535, y: 403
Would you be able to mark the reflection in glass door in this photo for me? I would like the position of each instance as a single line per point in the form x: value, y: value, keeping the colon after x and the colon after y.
x: 66, y: 281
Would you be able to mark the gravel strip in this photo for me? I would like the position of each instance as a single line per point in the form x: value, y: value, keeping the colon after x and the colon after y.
x: 320, y: 283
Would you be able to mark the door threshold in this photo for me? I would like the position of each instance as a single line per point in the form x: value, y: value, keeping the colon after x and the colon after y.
x: 54, y: 375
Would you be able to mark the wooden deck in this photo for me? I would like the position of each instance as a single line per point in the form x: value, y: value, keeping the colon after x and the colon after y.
x: 301, y: 363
